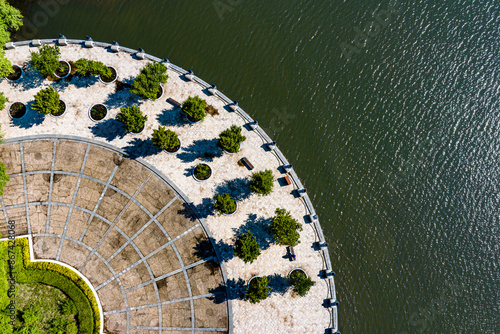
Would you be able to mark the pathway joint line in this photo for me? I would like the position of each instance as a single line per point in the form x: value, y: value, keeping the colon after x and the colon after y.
x: 23, y: 169
x: 51, y: 185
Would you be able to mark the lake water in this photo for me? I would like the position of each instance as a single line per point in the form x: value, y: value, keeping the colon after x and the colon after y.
x: 390, y: 113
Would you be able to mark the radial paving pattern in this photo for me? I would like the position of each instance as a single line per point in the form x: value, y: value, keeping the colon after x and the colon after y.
x: 120, y: 225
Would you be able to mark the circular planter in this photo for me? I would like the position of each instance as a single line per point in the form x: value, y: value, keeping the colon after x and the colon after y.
x: 232, y: 213
x: 17, y: 110
x: 97, y: 113
x: 297, y: 269
x: 230, y: 153
x: 159, y: 95
x: 63, y: 75
x: 211, y: 172
x: 251, y: 278
x: 17, y: 75
x: 113, y: 78
x: 63, y: 105
x: 138, y: 133
x: 177, y: 150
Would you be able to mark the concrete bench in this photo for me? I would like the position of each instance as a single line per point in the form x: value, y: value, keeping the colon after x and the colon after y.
x: 247, y: 163
x: 174, y: 102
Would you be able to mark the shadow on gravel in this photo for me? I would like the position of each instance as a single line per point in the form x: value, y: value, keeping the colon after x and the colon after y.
x: 204, y: 149
x: 279, y: 284
x: 122, y: 97
x: 109, y: 129
x: 233, y: 289
x: 259, y: 226
x: 140, y: 148
x: 237, y: 188
x: 29, y: 120
x: 169, y: 117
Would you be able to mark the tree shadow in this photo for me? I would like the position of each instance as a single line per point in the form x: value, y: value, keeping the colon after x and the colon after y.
x: 205, y: 249
x: 78, y: 81
x: 122, y: 97
x: 205, y: 208
x: 187, y: 212
x: 204, y: 149
x: 31, y: 79
x: 169, y: 117
x: 237, y: 188
x: 140, y: 148
x: 29, y: 120
x: 109, y: 129
x: 259, y: 226
x: 233, y: 289
x: 279, y: 284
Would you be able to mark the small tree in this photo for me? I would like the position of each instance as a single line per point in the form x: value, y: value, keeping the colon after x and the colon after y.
x: 10, y: 20
x: 4, y: 177
x: 230, y: 139
x: 86, y: 67
x: 262, y: 182
x: 202, y: 171
x: 246, y: 247
x: 3, y: 100
x: 147, y: 83
x: 285, y: 228
x: 258, y: 290
x: 132, y: 118
x: 46, y: 61
x: 47, y: 101
x: 165, y: 139
x: 224, y: 203
x: 194, y: 108
x: 301, y: 283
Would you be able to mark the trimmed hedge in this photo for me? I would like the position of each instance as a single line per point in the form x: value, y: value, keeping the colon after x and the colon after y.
x: 64, y: 279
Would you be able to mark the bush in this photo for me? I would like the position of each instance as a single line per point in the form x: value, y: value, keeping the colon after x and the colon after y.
x: 230, y: 139
x: 68, y: 307
x: 46, y: 61
x: 165, y: 139
x: 147, y: 83
x: 3, y: 100
x: 132, y: 118
x: 4, y: 177
x: 47, y: 101
x: 285, y: 228
x: 262, y: 182
x: 194, y: 108
x: 224, y: 203
x: 202, y: 171
x: 258, y: 290
x: 301, y: 283
x: 247, y: 248
x: 11, y: 19
x: 85, y: 67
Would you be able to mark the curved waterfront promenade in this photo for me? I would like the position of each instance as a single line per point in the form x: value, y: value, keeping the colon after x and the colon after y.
x: 281, y: 312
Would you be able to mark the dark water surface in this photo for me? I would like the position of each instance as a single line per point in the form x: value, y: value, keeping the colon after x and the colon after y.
x: 397, y: 137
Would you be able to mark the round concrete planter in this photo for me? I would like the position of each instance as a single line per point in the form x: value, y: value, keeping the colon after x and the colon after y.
x: 64, y: 112
x: 116, y: 76
x: 161, y: 95
x: 138, y: 133
x: 90, y: 112
x: 174, y: 152
x: 232, y: 213
x: 190, y: 121
x: 14, y: 118
x: 69, y: 70
x: 297, y: 269
x: 211, y: 173
x: 251, y: 278
x: 22, y: 73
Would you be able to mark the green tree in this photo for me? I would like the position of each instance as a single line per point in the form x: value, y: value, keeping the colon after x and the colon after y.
x: 262, y: 182
x: 86, y: 67
x: 246, y: 247
x: 301, y: 283
x: 194, y: 108
x: 202, y: 171
x: 165, y: 139
x: 132, y: 118
x: 224, y: 203
x: 3, y: 100
x: 147, y: 83
x: 10, y: 19
x: 4, y: 177
x: 230, y: 139
x: 47, y: 101
x: 258, y: 290
x: 46, y: 60
x: 285, y: 228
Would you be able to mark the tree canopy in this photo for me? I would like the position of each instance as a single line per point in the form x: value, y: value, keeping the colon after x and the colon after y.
x: 10, y: 20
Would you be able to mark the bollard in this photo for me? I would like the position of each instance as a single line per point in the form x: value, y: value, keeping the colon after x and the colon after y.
x: 212, y: 89
x: 329, y: 273
x: 271, y: 145
x: 166, y: 62
x: 89, y: 43
x: 253, y: 125
x: 302, y: 192
x: 115, y: 47
x: 288, y: 168
x: 234, y: 106
x: 10, y: 46
x: 62, y: 40
x: 36, y: 42
x: 312, y: 218
x: 190, y: 75
x: 140, y: 54
x: 333, y: 302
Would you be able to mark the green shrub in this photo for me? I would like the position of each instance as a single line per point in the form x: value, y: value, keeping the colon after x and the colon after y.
x: 68, y: 307
x: 247, y: 248
x: 32, y: 314
x: 147, y: 83
x: 86, y: 67
x: 3, y: 100
x: 132, y: 118
x: 165, y: 139
x: 230, y: 139
x: 301, y: 283
x: 224, y: 203
x: 202, y: 171
x: 194, y: 108
x: 285, y: 228
x: 258, y: 290
x: 46, y: 61
x: 4, y: 177
x: 262, y: 182
x: 10, y: 20
x: 47, y: 101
